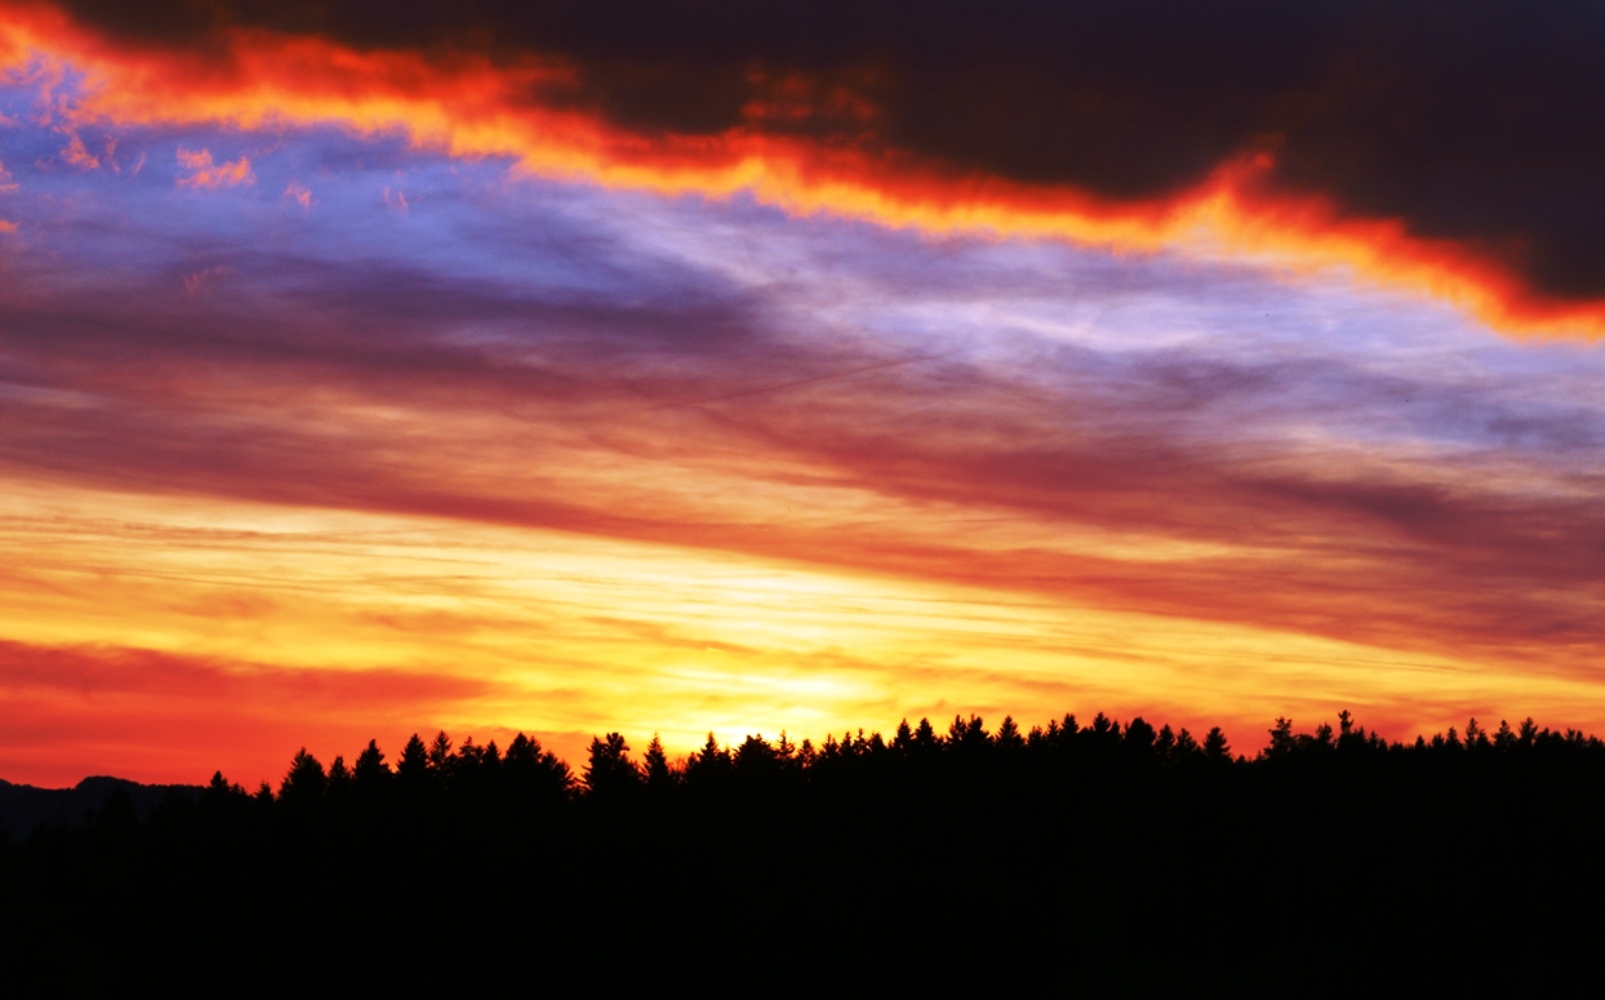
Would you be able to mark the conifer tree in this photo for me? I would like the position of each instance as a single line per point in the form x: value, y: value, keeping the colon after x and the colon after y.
x: 971, y: 735
x: 305, y: 782
x: 1282, y: 741
x: 537, y: 776
x: 340, y: 780
x: 413, y: 767
x: 903, y: 738
x: 711, y: 763
x: 1008, y: 736
x: 655, y: 764
x: 1139, y: 738
x: 371, y: 771
x: 609, y: 772
x: 440, y: 754
x: 754, y: 757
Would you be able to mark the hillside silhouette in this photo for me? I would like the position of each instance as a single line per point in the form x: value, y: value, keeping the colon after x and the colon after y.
x: 1109, y: 858
x: 24, y: 808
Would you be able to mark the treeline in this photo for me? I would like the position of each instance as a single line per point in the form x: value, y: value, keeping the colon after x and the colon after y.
x: 441, y: 772
x: 1108, y: 857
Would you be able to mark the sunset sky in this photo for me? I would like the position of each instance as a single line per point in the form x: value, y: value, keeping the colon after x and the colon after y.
x: 679, y: 366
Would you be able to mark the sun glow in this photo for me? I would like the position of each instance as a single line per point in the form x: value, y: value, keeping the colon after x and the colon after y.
x: 481, y: 630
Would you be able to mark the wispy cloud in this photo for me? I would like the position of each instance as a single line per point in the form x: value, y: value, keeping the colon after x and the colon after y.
x: 878, y: 471
x: 699, y: 389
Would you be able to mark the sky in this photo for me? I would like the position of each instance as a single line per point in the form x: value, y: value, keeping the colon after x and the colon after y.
x: 673, y: 367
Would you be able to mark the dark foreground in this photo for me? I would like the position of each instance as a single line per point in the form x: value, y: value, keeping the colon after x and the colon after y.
x: 1105, y: 860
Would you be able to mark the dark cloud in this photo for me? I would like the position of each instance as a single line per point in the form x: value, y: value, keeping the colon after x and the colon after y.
x: 1473, y: 122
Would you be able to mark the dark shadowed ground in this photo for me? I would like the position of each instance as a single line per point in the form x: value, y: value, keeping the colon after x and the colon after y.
x: 1106, y: 859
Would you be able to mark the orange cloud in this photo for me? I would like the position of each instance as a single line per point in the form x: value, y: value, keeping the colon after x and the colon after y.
x: 477, y: 106
x: 78, y: 156
x: 207, y: 174
x: 299, y: 193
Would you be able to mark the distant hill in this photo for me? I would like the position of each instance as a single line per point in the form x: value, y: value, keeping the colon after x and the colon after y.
x: 24, y: 808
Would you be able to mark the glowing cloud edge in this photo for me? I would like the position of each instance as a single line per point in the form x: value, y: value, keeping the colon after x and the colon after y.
x: 475, y: 109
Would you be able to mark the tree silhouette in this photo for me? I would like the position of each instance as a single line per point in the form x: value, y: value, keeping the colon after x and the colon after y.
x: 1215, y: 746
x: 755, y: 759
x: 655, y: 765
x: 340, y: 781
x: 371, y: 773
x: 440, y: 758
x: 535, y: 776
x: 710, y: 765
x: 1008, y: 735
x: 305, y: 782
x: 413, y: 769
x: 1139, y: 739
x: 609, y: 772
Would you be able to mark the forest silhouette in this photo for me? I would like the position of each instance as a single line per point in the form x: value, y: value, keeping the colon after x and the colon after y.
x: 1107, y: 858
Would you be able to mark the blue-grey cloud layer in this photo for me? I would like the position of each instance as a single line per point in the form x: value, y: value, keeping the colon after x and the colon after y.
x: 1339, y: 461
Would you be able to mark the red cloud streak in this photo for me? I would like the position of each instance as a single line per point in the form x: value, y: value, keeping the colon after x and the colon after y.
x: 70, y: 712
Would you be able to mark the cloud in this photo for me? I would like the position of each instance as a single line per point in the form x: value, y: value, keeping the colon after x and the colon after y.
x: 299, y: 193
x: 1055, y: 429
x: 204, y: 173
x: 99, y: 671
x: 1171, y: 480
x: 197, y: 281
x: 1446, y: 147
x: 78, y: 156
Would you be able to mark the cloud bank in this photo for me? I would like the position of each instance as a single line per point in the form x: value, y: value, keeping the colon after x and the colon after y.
x: 1448, y: 147
x: 1144, y: 437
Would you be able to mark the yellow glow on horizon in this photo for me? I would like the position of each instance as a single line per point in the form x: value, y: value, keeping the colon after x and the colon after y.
x: 576, y: 635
